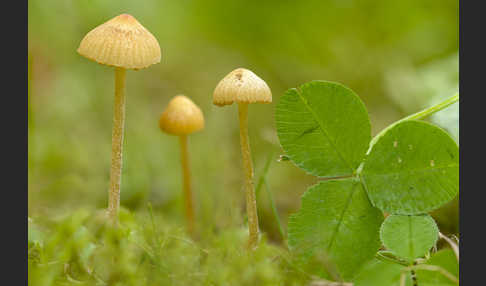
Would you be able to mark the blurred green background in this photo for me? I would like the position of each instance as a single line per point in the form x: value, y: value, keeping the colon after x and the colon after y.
x: 398, y: 56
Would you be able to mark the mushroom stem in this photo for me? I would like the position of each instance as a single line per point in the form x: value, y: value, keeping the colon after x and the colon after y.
x: 117, y: 144
x: 251, y: 207
x: 187, y: 184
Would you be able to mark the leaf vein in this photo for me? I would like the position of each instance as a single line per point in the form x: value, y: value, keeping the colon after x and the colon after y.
x: 321, y: 127
x: 341, y: 218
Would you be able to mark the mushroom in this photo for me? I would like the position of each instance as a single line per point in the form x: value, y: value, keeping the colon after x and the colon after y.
x: 122, y: 43
x: 182, y: 117
x: 243, y: 87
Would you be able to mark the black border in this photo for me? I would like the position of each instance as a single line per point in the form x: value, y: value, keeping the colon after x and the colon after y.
x: 13, y: 118
x: 472, y: 144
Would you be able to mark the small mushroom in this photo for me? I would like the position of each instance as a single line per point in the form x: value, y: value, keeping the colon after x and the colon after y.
x: 243, y: 87
x: 182, y: 117
x: 122, y: 43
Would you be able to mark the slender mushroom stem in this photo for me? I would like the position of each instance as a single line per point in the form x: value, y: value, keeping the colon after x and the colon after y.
x: 187, y: 184
x: 117, y: 144
x: 251, y: 207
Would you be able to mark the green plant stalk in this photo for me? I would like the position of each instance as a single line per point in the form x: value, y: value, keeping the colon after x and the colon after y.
x: 416, y: 116
x: 433, y: 109
x: 274, y: 210
x: 264, y: 173
x: 251, y: 207
x: 263, y: 180
x: 380, y: 255
x: 156, y: 234
x: 117, y: 144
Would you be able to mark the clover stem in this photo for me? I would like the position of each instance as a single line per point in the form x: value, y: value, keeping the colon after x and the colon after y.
x: 251, y: 207
x: 419, y: 115
x: 433, y: 109
x: 187, y: 184
x: 453, y: 245
x: 117, y: 144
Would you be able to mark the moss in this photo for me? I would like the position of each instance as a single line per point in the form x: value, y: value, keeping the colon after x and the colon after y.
x: 148, y: 250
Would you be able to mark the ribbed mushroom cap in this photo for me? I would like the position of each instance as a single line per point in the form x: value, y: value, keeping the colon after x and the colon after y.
x: 241, y: 86
x: 181, y: 117
x: 121, y: 42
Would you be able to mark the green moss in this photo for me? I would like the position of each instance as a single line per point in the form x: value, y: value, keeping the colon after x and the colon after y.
x: 145, y: 250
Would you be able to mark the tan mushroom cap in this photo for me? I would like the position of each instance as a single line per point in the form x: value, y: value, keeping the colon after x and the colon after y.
x: 241, y: 86
x: 121, y: 42
x: 181, y: 117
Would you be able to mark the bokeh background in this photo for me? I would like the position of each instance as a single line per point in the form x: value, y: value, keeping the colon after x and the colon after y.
x: 398, y: 56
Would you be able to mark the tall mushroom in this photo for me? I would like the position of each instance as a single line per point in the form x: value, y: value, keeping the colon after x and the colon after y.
x: 182, y: 117
x: 243, y: 87
x: 122, y: 43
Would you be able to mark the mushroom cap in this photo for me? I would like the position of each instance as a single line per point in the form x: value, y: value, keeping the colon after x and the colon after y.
x: 181, y: 117
x: 121, y: 42
x: 241, y: 86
